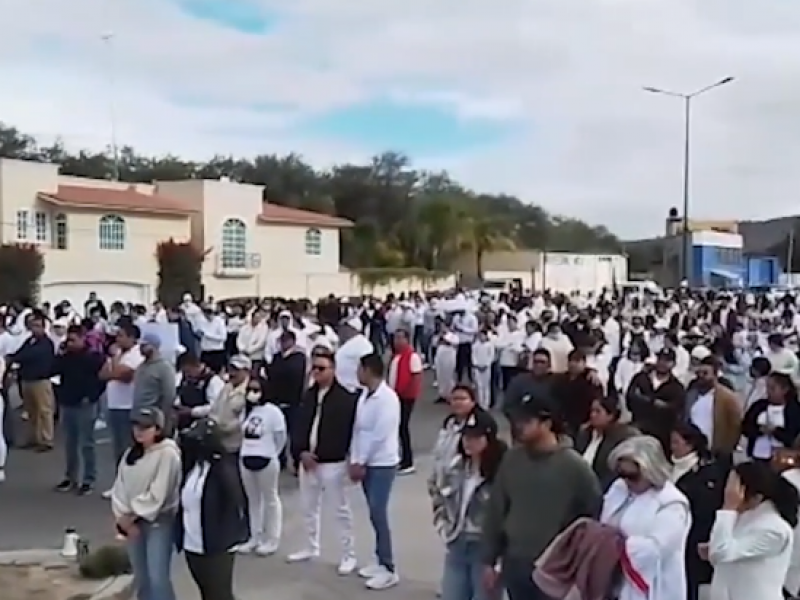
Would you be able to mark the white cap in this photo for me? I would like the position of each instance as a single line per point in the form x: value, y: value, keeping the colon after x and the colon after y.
x: 700, y: 352
x: 354, y: 323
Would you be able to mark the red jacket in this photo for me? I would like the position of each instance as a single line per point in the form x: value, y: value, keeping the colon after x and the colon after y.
x: 408, y: 385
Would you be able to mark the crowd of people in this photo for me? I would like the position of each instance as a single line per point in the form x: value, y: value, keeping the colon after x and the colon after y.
x: 653, y: 447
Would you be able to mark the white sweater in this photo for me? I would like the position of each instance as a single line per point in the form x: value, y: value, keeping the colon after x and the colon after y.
x: 252, y: 340
x: 151, y: 485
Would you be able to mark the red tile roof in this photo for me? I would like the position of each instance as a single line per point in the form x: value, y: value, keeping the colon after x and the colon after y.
x: 283, y: 215
x: 129, y: 200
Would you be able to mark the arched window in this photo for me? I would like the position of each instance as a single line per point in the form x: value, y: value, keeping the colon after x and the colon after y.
x: 112, y: 233
x: 313, y: 242
x: 234, y: 244
x: 60, y: 231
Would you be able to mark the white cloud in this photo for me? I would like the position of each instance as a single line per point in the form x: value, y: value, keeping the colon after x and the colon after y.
x: 566, y: 74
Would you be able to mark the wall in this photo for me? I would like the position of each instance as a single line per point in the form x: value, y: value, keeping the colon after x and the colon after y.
x: 717, y: 259
x: 762, y: 271
x: 564, y: 272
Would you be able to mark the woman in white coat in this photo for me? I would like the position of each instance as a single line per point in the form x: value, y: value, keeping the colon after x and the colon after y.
x: 654, y: 517
x: 750, y: 545
x: 444, y: 362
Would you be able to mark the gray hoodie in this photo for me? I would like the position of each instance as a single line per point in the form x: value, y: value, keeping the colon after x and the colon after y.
x: 154, y: 385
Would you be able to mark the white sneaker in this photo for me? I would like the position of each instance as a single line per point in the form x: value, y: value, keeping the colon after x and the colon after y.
x: 371, y: 571
x: 383, y: 581
x: 247, y: 547
x: 106, y: 495
x: 302, y: 556
x: 2, y: 475
x: 267, y: 548
x: 407, y: 470
x: 347, y: 565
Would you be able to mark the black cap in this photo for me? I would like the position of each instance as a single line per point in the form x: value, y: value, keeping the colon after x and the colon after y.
x: 534, y: 408
x: 148, y: 416
x: 667, y: 354
x: 480, y: 423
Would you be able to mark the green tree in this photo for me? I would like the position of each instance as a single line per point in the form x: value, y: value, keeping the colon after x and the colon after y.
x: 179, y: 271
x: 404, y: 217
x: 21, y: 268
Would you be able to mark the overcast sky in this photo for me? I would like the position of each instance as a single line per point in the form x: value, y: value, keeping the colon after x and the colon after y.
x: 539, y: 98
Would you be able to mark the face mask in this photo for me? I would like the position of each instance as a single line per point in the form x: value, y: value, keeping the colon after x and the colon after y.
x: 253, y: 397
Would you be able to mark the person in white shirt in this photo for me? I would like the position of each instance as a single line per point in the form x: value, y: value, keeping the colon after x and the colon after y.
x: 118, y: 373
x: 782, y: 359
x: 252, y: 339
x: 213, y: 335
x: 510, y: 345
x: 465, y: 325
x: 444, y: 361
x: 354, y: 345
x: 750, y: 546
x: 285, y: 323
x: 263, y: 439
x: 374, y: 456
x: 558, y: 344
x: 483, y: 353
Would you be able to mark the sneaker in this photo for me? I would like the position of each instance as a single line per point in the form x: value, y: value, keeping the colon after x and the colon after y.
x: 267, y: 549
x: 407, y: 470
x: 302, y: 556
x: 383, y: 581
x: 371, y: 571
x: 65, y: 486
x: 347, y: 565
x: 247, y: 547
x: 2, y: 475
x: 106, y: 495
x: 85, y: 489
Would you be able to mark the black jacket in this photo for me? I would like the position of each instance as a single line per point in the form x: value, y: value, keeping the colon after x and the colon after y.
x: 656, y: 411
x: 574, y: 395
x: 223, y: 520
x: 703, y: 486
x: 80, y: 380
x: 786, y: 435
x: 335, y: 427
x: 287, y: 378
x: 35, y: 359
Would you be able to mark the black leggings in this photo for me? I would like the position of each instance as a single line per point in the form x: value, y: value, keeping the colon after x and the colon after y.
x: 213, y: 574
x: 464, y: 363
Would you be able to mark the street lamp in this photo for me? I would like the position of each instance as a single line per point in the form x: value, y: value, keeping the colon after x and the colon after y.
x: 687, y: 110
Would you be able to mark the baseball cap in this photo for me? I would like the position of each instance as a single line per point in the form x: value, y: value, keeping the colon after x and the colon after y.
x: 354, y: 323
x: 480, y: 423
x: 150, y: 339
x: 148, y: 416
x: 667, y: 354
x: 240, y: 362
x: 534, y: 408
x: 700, y: 353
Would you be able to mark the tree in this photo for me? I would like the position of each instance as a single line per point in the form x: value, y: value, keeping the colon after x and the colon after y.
x: 404, y: 217
x: 179, y: 271
x: 21, y: 268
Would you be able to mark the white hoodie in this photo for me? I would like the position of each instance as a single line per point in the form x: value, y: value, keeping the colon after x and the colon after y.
x: 252, y: 339
x: 150, y: 486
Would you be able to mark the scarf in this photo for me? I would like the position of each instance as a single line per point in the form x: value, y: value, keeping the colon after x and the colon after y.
x: 681, y: 466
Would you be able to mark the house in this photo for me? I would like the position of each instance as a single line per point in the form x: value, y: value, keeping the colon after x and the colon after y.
x: 101, y: 236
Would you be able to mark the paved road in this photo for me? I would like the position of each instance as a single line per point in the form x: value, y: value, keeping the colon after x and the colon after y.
x: 31, y: 515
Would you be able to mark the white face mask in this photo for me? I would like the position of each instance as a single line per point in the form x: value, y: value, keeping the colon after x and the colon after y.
x: 253, y: 396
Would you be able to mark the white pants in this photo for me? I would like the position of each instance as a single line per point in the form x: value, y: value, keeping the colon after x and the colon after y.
x: 3, y: 444
x: 444, y: 365
x: 483, y: 386
x: 264, y: 502
x: 332, y: 480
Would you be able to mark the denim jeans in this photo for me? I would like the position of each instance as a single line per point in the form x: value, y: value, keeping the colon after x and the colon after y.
x: 79, y: 444
x: 377, y: 486
x: 463, y: 570
x: 151, y: 558
x: 516, y: 578
x: 118, y: 421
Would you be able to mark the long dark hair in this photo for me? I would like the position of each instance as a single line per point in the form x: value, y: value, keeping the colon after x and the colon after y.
x: 694, y: 437
x: 490, y: 459
x: 785, y: 381
x: 759, y: 479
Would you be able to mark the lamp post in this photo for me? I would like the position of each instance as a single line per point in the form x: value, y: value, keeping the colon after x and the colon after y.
x: 687, y: 112
x: 108, y: 43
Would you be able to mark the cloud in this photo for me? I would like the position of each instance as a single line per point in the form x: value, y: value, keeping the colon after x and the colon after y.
x: 541, y: 98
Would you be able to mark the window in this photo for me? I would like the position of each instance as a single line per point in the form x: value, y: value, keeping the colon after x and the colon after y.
x: 314, y: 242
x: 23, y: 225
x: 112, y: 232
x: 60, y: 231
x: 234, y: 244
x: 41, y: 227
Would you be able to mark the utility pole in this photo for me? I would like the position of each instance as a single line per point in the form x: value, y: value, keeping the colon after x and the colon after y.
x: 687, y: 113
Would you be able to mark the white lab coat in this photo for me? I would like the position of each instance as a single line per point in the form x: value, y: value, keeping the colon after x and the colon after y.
x: 750, y: 552
x: 655, y: 525
x: 483, y: 354
x: 792, y: 583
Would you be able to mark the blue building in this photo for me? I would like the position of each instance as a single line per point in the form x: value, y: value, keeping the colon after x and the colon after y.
x: 717, y: 260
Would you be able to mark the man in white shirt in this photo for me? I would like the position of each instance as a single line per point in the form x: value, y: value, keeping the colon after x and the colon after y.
x: 213, y: 335
x: 252, y: 339
x: 118, y: 372
x: 353, y: 346
x: 465, y: 326
x: 374, y: 456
